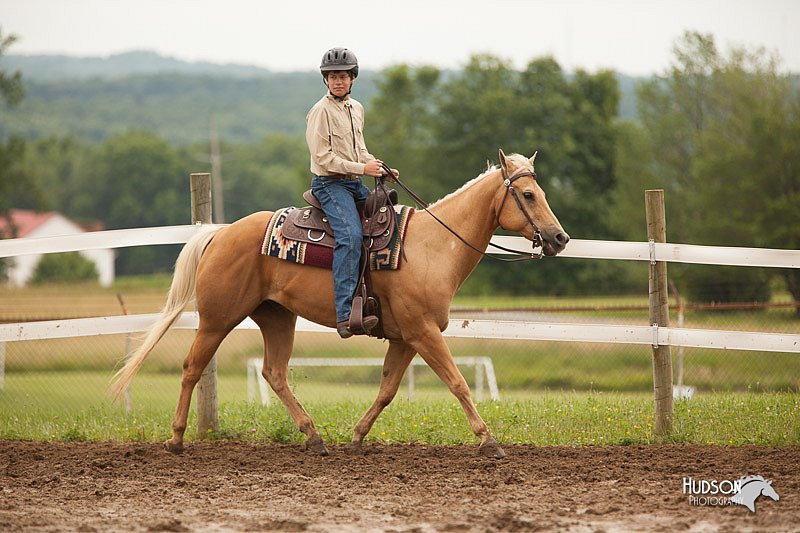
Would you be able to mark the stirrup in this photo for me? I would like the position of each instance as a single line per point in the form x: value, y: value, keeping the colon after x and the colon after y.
x: 360, y: 324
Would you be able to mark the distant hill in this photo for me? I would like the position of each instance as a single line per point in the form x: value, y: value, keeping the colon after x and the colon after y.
x: 176, y: 106
x: 94, y: 98
x: 60, y: 67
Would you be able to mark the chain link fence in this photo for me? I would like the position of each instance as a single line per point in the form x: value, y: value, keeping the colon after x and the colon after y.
x: 71, y: 374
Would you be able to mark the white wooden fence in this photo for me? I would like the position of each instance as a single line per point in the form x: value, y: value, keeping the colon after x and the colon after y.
x: 487, y: 329
x: 652, y: 252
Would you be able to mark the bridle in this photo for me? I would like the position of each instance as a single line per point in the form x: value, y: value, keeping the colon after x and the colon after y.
x: 508, y: 183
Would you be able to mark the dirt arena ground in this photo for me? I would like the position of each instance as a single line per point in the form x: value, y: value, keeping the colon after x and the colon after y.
x: 233, y: 486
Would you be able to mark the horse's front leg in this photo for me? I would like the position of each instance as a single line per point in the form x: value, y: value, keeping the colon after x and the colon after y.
x: 434, y: 350
x: 277, y: 327
x: 398, y: 357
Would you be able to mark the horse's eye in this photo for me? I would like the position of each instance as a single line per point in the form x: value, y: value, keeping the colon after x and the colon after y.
x: 527, y: 195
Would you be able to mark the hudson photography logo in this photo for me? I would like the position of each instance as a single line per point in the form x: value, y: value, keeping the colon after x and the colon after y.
x: 713, y: 492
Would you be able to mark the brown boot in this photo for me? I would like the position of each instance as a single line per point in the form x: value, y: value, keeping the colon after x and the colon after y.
x: 367, y: 323
x: 343, y: 329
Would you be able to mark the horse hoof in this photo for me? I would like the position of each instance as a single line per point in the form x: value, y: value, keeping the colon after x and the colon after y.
x: 320, y: 449
x: 353, y: 449
x: 317, y: 445
x: 173, y: 447
x: 492, y: 450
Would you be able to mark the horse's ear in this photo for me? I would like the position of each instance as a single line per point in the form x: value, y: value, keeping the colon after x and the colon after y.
x: 533, y: 157
x: 503, y: 161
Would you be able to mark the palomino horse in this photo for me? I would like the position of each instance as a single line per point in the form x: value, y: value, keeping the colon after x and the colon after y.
x: 232, y: 281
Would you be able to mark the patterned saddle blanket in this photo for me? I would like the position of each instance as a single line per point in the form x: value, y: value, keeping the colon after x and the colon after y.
x: 316, y: 246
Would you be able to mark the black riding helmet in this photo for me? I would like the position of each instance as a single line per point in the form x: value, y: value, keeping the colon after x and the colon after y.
x: 339, y: 59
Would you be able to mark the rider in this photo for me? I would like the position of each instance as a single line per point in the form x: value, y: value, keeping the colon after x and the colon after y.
x: 339, y: 157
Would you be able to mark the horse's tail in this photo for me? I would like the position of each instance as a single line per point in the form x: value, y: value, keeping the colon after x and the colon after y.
x: 180, y: 293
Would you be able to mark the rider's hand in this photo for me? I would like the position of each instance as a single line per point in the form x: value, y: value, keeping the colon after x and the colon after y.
x: 374, y: 168
x: 391, y: 177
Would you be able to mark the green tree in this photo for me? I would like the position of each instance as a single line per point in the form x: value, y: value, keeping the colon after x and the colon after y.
x: 265, y: 176
x: 137, y: 180
x: 64, y: 267
x: 11, y: 89
x: 444, y: 127
x: 474, y: 117
x: 721, y: 136
x: 14, y: 181
x: 399, y: 123
x: 60, y: 165
x: 571, y: 121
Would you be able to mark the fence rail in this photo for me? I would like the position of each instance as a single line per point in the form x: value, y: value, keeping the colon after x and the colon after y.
x: 577, y: 248
x: 458, y: 327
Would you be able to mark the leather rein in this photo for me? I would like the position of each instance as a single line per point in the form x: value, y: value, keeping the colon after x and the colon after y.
x: 508, y: 183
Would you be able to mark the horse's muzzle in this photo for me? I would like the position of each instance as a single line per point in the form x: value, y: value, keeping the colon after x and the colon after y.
x: 554, y: 242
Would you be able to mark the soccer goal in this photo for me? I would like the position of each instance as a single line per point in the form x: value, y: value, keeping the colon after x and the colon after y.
x: 257, y: 387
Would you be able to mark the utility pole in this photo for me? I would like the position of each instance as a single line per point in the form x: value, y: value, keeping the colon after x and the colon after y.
x: 216, y: 173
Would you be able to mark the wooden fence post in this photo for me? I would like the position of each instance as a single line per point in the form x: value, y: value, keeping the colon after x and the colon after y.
x: 659, y: 312
x: 207, y: 399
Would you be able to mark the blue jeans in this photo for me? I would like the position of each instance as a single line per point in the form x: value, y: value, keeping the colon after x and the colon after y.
x: 338, y: 198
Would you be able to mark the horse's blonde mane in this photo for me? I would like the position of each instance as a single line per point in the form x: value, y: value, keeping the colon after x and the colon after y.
x: 517, y: 159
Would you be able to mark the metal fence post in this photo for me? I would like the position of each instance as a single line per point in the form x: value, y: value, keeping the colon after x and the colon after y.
x: 207, y: 399
x: 410, y: 381
x: 479, y: 370
x: 128, y: 395
x: 2, y: 365
x: 659, y: 313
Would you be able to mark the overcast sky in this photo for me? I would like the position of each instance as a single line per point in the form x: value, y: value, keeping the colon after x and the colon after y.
x: 631, y: 36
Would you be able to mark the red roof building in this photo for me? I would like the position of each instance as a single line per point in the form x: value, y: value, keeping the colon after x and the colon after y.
x: 27, y: 224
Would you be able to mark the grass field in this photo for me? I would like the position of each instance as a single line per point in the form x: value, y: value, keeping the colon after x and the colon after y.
x: 552, y: 393
x: 541, y: 418
x: 83, y: 412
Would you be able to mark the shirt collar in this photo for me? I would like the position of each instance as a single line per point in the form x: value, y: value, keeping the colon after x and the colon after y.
x: 340, y: 101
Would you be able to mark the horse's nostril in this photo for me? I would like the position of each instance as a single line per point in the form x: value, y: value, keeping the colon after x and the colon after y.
x: 562, y: 238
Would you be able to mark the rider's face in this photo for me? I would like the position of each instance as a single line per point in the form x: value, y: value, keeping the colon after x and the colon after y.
x: 339, y: 82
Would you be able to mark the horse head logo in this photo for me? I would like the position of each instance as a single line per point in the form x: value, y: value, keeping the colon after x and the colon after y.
x: 750, y: 489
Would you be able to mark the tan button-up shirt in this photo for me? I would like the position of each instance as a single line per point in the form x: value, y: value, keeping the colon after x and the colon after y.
x: 335, y: 137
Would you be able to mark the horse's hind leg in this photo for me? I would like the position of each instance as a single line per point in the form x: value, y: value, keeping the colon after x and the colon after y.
x: 277, y: 327
x: 398, y: 357
x: 203, y: 348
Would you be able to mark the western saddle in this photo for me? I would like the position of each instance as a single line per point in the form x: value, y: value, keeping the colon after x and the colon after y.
x: 309, y: 224
x: 379, y: 223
